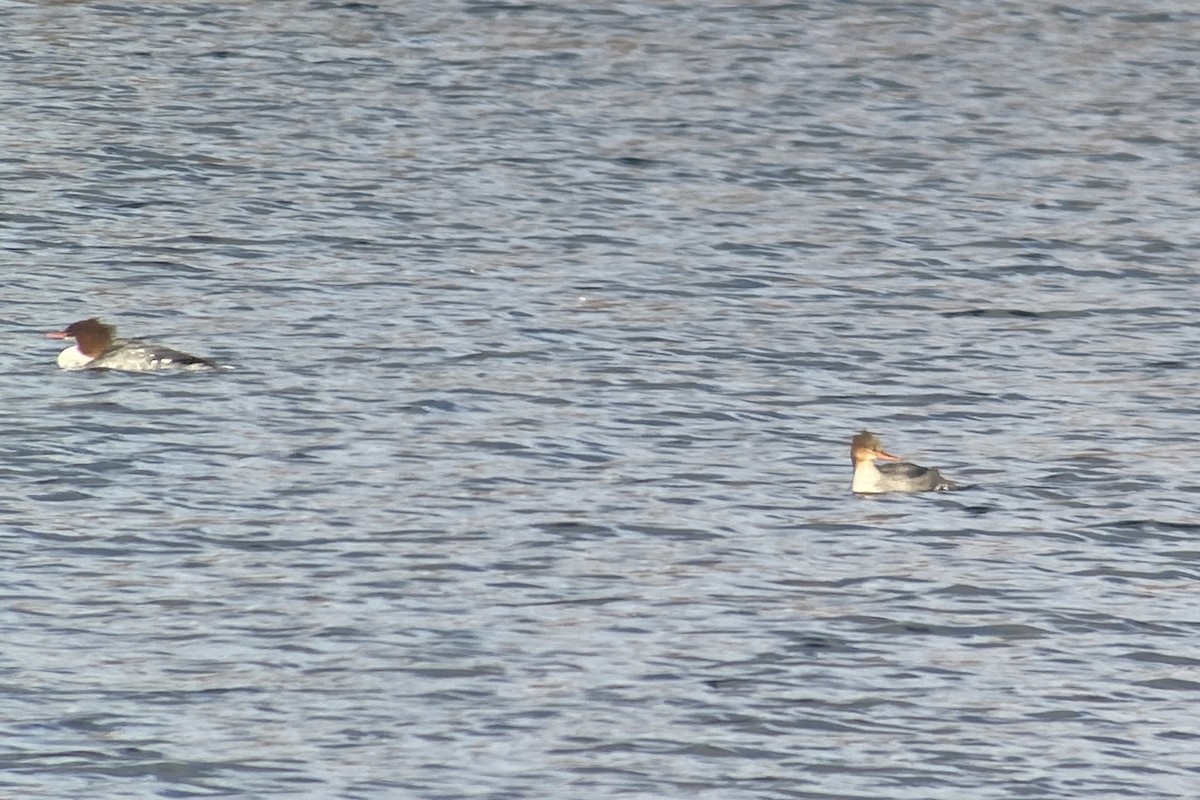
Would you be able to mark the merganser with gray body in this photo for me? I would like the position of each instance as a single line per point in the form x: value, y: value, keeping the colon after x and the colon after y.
x: 96, y: 347
x: 872, y: 478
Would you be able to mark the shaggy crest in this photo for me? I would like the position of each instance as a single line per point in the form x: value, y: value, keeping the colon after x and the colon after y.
x: 866, y: 441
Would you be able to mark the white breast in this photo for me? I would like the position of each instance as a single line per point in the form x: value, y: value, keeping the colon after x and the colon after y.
x: 866, y: 478
x: 72, y: 358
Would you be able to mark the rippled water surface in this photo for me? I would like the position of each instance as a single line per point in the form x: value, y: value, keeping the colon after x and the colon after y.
x: 550, y: 325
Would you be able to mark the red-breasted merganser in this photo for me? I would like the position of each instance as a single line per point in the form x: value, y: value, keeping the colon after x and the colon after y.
x: 870, y: 478
x: 96, y: 347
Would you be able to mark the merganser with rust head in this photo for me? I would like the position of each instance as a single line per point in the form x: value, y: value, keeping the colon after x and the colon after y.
x: 872, y: 478
x: 96, y: 347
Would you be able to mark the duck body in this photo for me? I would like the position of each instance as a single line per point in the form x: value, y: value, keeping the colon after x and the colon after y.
x: 897, y: 476
x: 97, y: 347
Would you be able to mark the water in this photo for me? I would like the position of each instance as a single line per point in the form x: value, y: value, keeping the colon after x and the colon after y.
x: 551, y: 324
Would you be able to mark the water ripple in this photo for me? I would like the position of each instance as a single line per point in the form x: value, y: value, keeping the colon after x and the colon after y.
x: 550, y: 325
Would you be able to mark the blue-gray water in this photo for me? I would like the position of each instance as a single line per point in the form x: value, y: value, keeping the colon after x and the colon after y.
x: 551, y: 324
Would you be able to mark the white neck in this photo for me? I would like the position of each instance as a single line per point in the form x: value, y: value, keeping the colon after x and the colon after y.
x: 73, y: 358
x: 866, y: 477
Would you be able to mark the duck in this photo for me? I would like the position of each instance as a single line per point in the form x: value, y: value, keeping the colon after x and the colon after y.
x: 97, y: 347
x: 897, y: 476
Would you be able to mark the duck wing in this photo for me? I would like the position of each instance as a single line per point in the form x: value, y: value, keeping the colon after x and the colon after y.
x: 914, y: 477
x: 902, y: 469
